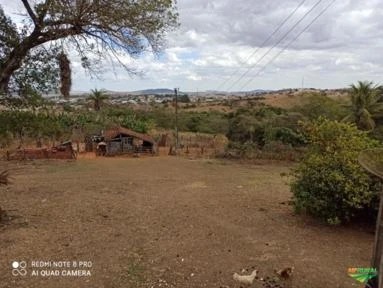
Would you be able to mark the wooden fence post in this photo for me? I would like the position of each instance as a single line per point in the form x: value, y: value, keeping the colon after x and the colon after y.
x: 372, y: 161
x: 377, y: 259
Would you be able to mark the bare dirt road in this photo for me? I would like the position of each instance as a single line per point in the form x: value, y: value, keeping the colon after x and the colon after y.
x: 166, y: 222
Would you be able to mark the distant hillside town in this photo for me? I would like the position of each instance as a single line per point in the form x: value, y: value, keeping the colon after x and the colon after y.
x: 163, y: 96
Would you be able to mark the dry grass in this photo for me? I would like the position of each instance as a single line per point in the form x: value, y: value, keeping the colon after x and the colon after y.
x: 168, y: 222
x: 4, y: 178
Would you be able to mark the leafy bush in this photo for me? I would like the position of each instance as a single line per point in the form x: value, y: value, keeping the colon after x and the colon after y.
x: 249, y: 125
x: 246, y: 128
x: 329, y: 183
x: 183, y: 98
x: 247, y: 150
x: 265, y: 125
x: 213, y: 122
x: 317, y: 104
x: 277, y: 150
x: 284, y: 135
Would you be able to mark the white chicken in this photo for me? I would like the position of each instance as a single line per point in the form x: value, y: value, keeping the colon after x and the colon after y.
x: 245, y: 279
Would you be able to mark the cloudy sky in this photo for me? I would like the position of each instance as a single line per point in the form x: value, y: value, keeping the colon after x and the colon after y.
x: 211, y: 49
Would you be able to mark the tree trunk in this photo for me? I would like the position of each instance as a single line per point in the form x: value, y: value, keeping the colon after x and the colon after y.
x: 13, y: 63
x: 36, y: 38
x: 18, y: 54
x: 4, y: 84
x: 377, y: 261
x: 97, y: 105
x: 21, y: 142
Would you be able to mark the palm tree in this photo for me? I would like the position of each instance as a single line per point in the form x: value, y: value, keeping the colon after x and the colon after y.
x: 365, y: 104
x: 97, y: 97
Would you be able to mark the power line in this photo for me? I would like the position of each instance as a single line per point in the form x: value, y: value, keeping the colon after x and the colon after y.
x: 289, y: 44
x: 263, y: 43
x: 276, y: 44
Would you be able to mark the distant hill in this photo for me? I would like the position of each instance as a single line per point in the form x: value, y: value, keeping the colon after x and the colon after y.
x: 162, y: 91
x: 260, y: 91
x: 216, y: 92
x: 167, y: 91
x: 154, y: 91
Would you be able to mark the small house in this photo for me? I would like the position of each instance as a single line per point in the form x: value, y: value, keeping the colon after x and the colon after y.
x: 121, y: 140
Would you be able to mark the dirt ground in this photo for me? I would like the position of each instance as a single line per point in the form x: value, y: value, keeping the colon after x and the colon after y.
x: 167, y: 222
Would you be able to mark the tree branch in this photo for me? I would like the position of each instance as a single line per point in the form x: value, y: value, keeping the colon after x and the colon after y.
x: 44, y: 11
x: 30, y: 12
x: 113, y: 26
x: 56, y: 34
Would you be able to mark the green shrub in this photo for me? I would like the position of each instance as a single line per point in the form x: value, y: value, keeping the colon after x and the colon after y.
x: 329, y: 183
x: 264, y: 125
x: 247, y: 150
x: 316, y: 104
x: 284, y: 135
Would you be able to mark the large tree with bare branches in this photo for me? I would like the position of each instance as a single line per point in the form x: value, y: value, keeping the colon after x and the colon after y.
x: 101, y: 28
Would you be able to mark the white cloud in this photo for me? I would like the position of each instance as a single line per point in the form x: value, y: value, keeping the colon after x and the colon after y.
x: 217, y: 37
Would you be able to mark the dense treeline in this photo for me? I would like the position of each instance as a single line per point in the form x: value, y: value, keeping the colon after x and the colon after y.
x: 247, y: 128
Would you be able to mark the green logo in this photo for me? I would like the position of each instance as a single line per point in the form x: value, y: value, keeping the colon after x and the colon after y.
x: 362, y: 274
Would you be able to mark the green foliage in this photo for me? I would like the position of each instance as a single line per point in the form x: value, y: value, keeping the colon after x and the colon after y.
x: 162, y: 118
x: 248, y: 126
x: 38, y: 71
x: 366, y: 106
x: 284, y: 135
x: 97, y: 97
x: 203, y: 122
x: 213, y: 122
x: 317, y: 104
x: 128, y: 118
x: 329, y: 183
x: 183, y: 98
x: 132, y: 122
x: 245, y: 128
x: 266, y: 124
x: 38, y: 125
x: 143, y: 121
x: 27, y: 124
x: 67, y: 107
x: 8, y: 34
x: 96, y: 30
x: 29, y: 100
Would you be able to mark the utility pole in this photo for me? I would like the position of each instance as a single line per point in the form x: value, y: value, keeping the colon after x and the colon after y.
x: 303, y: 82
x: 372, y: 161
x: 377, y: 259
x: 176, y: 96
x: 379, y: 244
